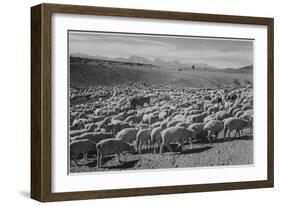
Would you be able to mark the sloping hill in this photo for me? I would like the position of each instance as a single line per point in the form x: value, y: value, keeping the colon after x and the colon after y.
x: 104, y: 72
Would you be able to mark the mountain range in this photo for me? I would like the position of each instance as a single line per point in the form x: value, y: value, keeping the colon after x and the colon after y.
x: 142, y: 60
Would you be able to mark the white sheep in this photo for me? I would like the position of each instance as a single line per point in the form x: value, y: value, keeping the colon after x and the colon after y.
x: 173, y: 123
x: 209, y: 118
x: 221, y: 115
x: 142, y: 126
x: 213, y: 127
x: 143, y: 136
x: 238, y: 114
x: 156, y: 124
x: 156, y: 136
x: 128, y: 135
x: 197, y: 128
x: 184, y: 124
x: 90, y: 128
x: 175, y: 134
x: 94, y: 137
x: 212, y: 109
x: 112, y: 146
x: 77, y: 124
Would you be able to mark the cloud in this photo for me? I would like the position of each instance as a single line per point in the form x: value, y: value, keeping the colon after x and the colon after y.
x: 216, y: 52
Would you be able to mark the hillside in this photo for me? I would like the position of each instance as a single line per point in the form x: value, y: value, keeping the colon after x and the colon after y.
x: 91, y: 72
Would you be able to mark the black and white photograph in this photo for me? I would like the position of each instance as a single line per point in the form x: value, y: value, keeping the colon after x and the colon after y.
x: 152, y: 101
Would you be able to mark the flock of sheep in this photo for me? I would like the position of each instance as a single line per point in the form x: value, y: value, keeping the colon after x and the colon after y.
x: 135, y: 116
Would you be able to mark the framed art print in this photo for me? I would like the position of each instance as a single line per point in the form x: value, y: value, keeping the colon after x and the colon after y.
x: 130, y: 102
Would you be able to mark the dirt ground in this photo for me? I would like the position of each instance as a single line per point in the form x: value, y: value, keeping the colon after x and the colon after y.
x: 229, y: 151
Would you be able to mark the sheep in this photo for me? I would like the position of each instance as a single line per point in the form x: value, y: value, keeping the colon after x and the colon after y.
x: 142, y: 126
x: 179, y: 117
x: 112, y: 146
x: 117, y: 126
x: 173, y: 123
x: 93, y: 136
x: 156, y: 136
x: 162, y: 115
x: 211, y: 127
x: 81, y: 146
x: 238, y: 114
x: 212, y: 110
x: 248, y: 112
x: 143, y: 136
x: 249, y: 118
x: 233, y: 123
x: 153, y: 118
x: 128, y: 135
x: 139, y: 101
x: 175, y: 134
x: 195, y: 111
x: 235, y: 111
x: 145, y: 118
x: 90, y: 128
x: 134, y: 118
x: 156, y: 124
x: 247, y: 107
x: 82, y: 115
x: 121, y: 116
x: 77, y: 125
x: 197, y: 128
x: 209, y: 118
x: 184, y: 124
x: 221, y: 115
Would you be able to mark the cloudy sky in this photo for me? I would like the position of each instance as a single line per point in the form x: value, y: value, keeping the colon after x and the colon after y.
x: 220, y: 53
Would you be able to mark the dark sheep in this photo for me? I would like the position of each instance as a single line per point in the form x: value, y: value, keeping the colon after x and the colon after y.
x: 139, y: 101
x: 232, y: 97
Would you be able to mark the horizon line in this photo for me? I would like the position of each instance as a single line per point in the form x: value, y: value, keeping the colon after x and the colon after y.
x: 127, y: 58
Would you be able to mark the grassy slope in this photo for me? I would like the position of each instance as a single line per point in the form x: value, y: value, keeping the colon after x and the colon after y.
x: 111, y: 73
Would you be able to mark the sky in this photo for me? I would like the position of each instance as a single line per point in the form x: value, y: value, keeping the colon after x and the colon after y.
x: 217, y: 52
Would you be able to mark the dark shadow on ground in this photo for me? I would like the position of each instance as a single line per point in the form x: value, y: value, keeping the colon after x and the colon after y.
x: 196, y: 150
x: 229, y: 139
x: 93, y: 162
x: 146, y: 151
x: 124, y: 165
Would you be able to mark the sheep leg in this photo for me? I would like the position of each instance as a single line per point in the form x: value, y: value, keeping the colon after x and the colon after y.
x: 98, y: 159
x: 208, y: 136
x: 146, y: 143
x: 190, y: 142
x: 239, y: 135
x: 101, y: 160
x: 118, y: 158
x: 229, y: 133
x: 140, y: 146
x: 123, y: 157
x: 224, y: 132
x: 217, y: 135
x: 169, y: 147
x: 75, y: 160
x: 84, y: 157
x: 161, y: 148
x: 180, y: 146
x: 235, y: 134
x: 153, y: 146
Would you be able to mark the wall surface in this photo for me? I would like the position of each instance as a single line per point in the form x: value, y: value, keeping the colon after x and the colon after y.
x: 15, y: 101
